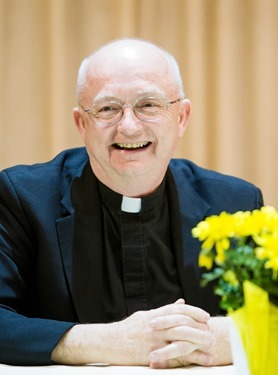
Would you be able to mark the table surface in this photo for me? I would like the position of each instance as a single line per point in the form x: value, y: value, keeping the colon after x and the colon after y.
x: 113, y: 370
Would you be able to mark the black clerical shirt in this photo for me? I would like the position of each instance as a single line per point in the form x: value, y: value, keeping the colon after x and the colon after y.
x: 139, y: 272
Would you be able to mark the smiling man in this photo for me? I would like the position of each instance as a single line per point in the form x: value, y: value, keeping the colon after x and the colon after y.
x: 132, y: 112
x: 97, y: 261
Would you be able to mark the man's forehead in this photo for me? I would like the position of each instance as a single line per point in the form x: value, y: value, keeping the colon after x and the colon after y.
x: 129, y: 83
x: 138, y: 55
x: 126, y: 73
x: 127, y: 89
x: 130, y: 66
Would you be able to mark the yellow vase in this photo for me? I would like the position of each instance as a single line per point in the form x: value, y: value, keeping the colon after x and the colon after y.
x: 257, y: 325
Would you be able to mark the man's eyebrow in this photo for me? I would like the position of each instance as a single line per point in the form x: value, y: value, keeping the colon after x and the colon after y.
x: 106, y: 97
x: 156, y: 93
x: 140, y: 95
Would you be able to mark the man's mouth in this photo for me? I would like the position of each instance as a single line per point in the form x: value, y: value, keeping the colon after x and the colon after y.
x: 131, y: 146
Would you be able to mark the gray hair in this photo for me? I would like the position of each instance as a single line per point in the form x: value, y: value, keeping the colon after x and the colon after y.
x: 85, y: 66
x: 82, y: 75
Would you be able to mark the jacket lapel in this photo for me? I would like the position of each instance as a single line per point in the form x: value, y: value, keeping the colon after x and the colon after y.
x: 80, y: 234
x: 187, y: 209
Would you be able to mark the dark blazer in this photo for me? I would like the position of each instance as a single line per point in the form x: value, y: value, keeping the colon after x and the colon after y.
x: 51, y: 246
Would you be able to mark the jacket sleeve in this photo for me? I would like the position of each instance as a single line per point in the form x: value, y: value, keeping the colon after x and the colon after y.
x: 28, y: 341
x: 24, y: 338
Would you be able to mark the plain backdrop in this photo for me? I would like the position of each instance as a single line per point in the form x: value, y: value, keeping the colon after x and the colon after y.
x: 227, y: 51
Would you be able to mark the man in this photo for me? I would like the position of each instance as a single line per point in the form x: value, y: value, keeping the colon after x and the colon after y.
x: 97, y: 261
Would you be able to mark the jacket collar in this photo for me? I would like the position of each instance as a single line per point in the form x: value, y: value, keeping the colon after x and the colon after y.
x: 188, y: 203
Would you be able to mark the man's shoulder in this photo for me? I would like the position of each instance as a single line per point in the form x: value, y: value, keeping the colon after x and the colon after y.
x: 220, y: 191
x: 196, y: 185
x: 66, y: 163
x: 58, y: 172
x: 196, y: 175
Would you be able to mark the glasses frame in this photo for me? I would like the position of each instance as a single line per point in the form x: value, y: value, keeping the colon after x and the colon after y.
x: 96, y: 120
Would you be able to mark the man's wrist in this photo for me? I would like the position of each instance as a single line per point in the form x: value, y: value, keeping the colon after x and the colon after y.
x: 82, y: 344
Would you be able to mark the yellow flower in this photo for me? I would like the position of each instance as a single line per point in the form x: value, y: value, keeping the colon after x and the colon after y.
x: 270, y: 220
x: 268, y: 249
x: 221, y: 246
x: 264, y: 220
x: 231, y: 278
x: 205, y: 261
x: 242, y: 223
x: 215, y: 231
x: 214, y: 228
x: 201, y: 231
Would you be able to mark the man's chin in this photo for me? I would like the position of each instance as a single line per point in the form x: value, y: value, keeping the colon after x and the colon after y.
x: 134, y: 170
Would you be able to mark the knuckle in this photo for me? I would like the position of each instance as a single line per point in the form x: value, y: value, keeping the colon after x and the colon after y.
x: 210, y: 342
x: 206, y: 360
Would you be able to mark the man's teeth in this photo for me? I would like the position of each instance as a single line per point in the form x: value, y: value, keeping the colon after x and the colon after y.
x: 132, y: 145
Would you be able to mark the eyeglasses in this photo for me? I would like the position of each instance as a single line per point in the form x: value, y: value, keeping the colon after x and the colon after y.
x: 109, y: 113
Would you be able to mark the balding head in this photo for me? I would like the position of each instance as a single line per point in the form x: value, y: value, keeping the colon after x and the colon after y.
x: 123, y: 56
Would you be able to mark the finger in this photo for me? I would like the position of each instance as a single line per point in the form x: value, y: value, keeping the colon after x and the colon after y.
x: 173, y: 350
x: 180, y: 351
x: 196, y: 357
x: 177, y: 320
x: 199, y: 338
x: 171, y: 363
x: 183, y: 309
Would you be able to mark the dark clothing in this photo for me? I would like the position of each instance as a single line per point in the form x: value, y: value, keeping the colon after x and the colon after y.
x: 53, y: 253
x: 140, y: 268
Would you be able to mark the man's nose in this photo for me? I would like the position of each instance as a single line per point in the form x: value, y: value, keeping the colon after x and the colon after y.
x: 129, y: 122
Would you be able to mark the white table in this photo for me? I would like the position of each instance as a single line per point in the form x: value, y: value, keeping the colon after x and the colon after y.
x: 113, y: 370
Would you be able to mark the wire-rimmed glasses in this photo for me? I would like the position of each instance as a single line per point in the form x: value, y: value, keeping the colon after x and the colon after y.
x: 110, y: 112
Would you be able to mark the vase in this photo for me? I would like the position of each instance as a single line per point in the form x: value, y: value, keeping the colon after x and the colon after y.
x: 238, y: 353
x: 254, y: 333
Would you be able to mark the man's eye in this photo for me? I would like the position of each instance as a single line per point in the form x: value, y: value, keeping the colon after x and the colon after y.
x: 108, y: 108
x: 149, y: 105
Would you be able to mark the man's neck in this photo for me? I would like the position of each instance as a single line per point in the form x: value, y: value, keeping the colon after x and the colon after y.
x: 131, y: 186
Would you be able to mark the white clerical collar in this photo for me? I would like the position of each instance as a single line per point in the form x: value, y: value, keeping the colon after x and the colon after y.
x: 132, y: 205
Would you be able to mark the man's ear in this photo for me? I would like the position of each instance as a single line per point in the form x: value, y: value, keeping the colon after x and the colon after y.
x: 79, y: 121
x: 184, y: 116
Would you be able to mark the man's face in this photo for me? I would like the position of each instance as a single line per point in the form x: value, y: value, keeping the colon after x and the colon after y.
x: 131, y: 149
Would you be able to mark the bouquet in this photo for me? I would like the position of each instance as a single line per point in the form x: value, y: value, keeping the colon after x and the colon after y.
x: 242, y: 246
x: 240, y: 253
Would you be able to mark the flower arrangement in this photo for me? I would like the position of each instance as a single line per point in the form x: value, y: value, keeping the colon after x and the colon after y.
x: 239, y: 247
x: 240, y: 251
